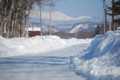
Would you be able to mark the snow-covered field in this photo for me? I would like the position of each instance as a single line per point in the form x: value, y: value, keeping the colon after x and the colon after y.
x: 39, y: 58
x: 36, y: 45
x: 53, y: 58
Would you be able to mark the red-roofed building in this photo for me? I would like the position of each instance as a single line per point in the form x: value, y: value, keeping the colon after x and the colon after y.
x: 34, y: 32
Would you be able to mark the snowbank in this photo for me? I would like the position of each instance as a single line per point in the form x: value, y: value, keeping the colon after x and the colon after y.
x: 38, y: 45
x: 101, y: 61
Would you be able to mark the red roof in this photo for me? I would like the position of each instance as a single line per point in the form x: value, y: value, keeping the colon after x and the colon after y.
x: 34, y: 33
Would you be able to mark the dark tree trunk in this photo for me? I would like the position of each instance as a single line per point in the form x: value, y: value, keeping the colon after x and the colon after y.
x: 13, y: 16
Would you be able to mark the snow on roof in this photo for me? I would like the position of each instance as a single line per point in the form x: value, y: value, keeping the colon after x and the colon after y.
x: 118, y: 28
x: 34, y: 29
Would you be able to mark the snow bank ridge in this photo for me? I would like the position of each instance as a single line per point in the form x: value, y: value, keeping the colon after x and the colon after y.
x: 101, y: 61
x: 35, y: 45
x: 22, y: 46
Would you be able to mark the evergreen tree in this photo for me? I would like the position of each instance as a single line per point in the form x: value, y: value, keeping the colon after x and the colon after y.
x: 98, y: 29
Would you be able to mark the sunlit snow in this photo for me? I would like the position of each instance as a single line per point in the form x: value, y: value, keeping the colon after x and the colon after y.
x: 53, y: 58
x: 39, y: 58
x: 101, y: 61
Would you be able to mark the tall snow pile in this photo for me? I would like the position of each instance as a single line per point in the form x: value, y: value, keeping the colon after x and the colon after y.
x: 101, y: 61
x: 35, y: 45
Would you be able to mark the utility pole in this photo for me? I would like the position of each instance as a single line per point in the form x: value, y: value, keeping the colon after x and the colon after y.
x: 40, y: 6
x: 50, y: 21
x: 112, y: 22
x: 105, y: 16
x: 50, y: 4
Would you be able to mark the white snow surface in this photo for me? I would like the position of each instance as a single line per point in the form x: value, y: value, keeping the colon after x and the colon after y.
x: 34, y: 29
x: 35, y: 45
x: 83, y: 27
x: 101, y: 61
x: 39, y: 58
x: 48, y: 57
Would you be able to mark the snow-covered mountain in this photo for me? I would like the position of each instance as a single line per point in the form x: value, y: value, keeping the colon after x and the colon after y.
x: 84, y: 28
x: 71, y: 26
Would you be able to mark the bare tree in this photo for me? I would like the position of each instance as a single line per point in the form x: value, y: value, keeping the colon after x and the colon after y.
x: 41, y: 4
x: 13, y: 17
x: 50, y: 5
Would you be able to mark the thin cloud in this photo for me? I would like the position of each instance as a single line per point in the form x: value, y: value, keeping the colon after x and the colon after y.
x: 56, y: 16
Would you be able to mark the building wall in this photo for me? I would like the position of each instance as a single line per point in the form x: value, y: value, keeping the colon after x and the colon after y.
x: 34, y: 33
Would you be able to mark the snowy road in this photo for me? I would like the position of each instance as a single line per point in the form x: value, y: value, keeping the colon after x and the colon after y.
x: 36, y: 68
x: 45, y: 66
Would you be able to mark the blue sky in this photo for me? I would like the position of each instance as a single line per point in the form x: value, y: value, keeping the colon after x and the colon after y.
x: 73, y: 10
x: 76, y: 8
